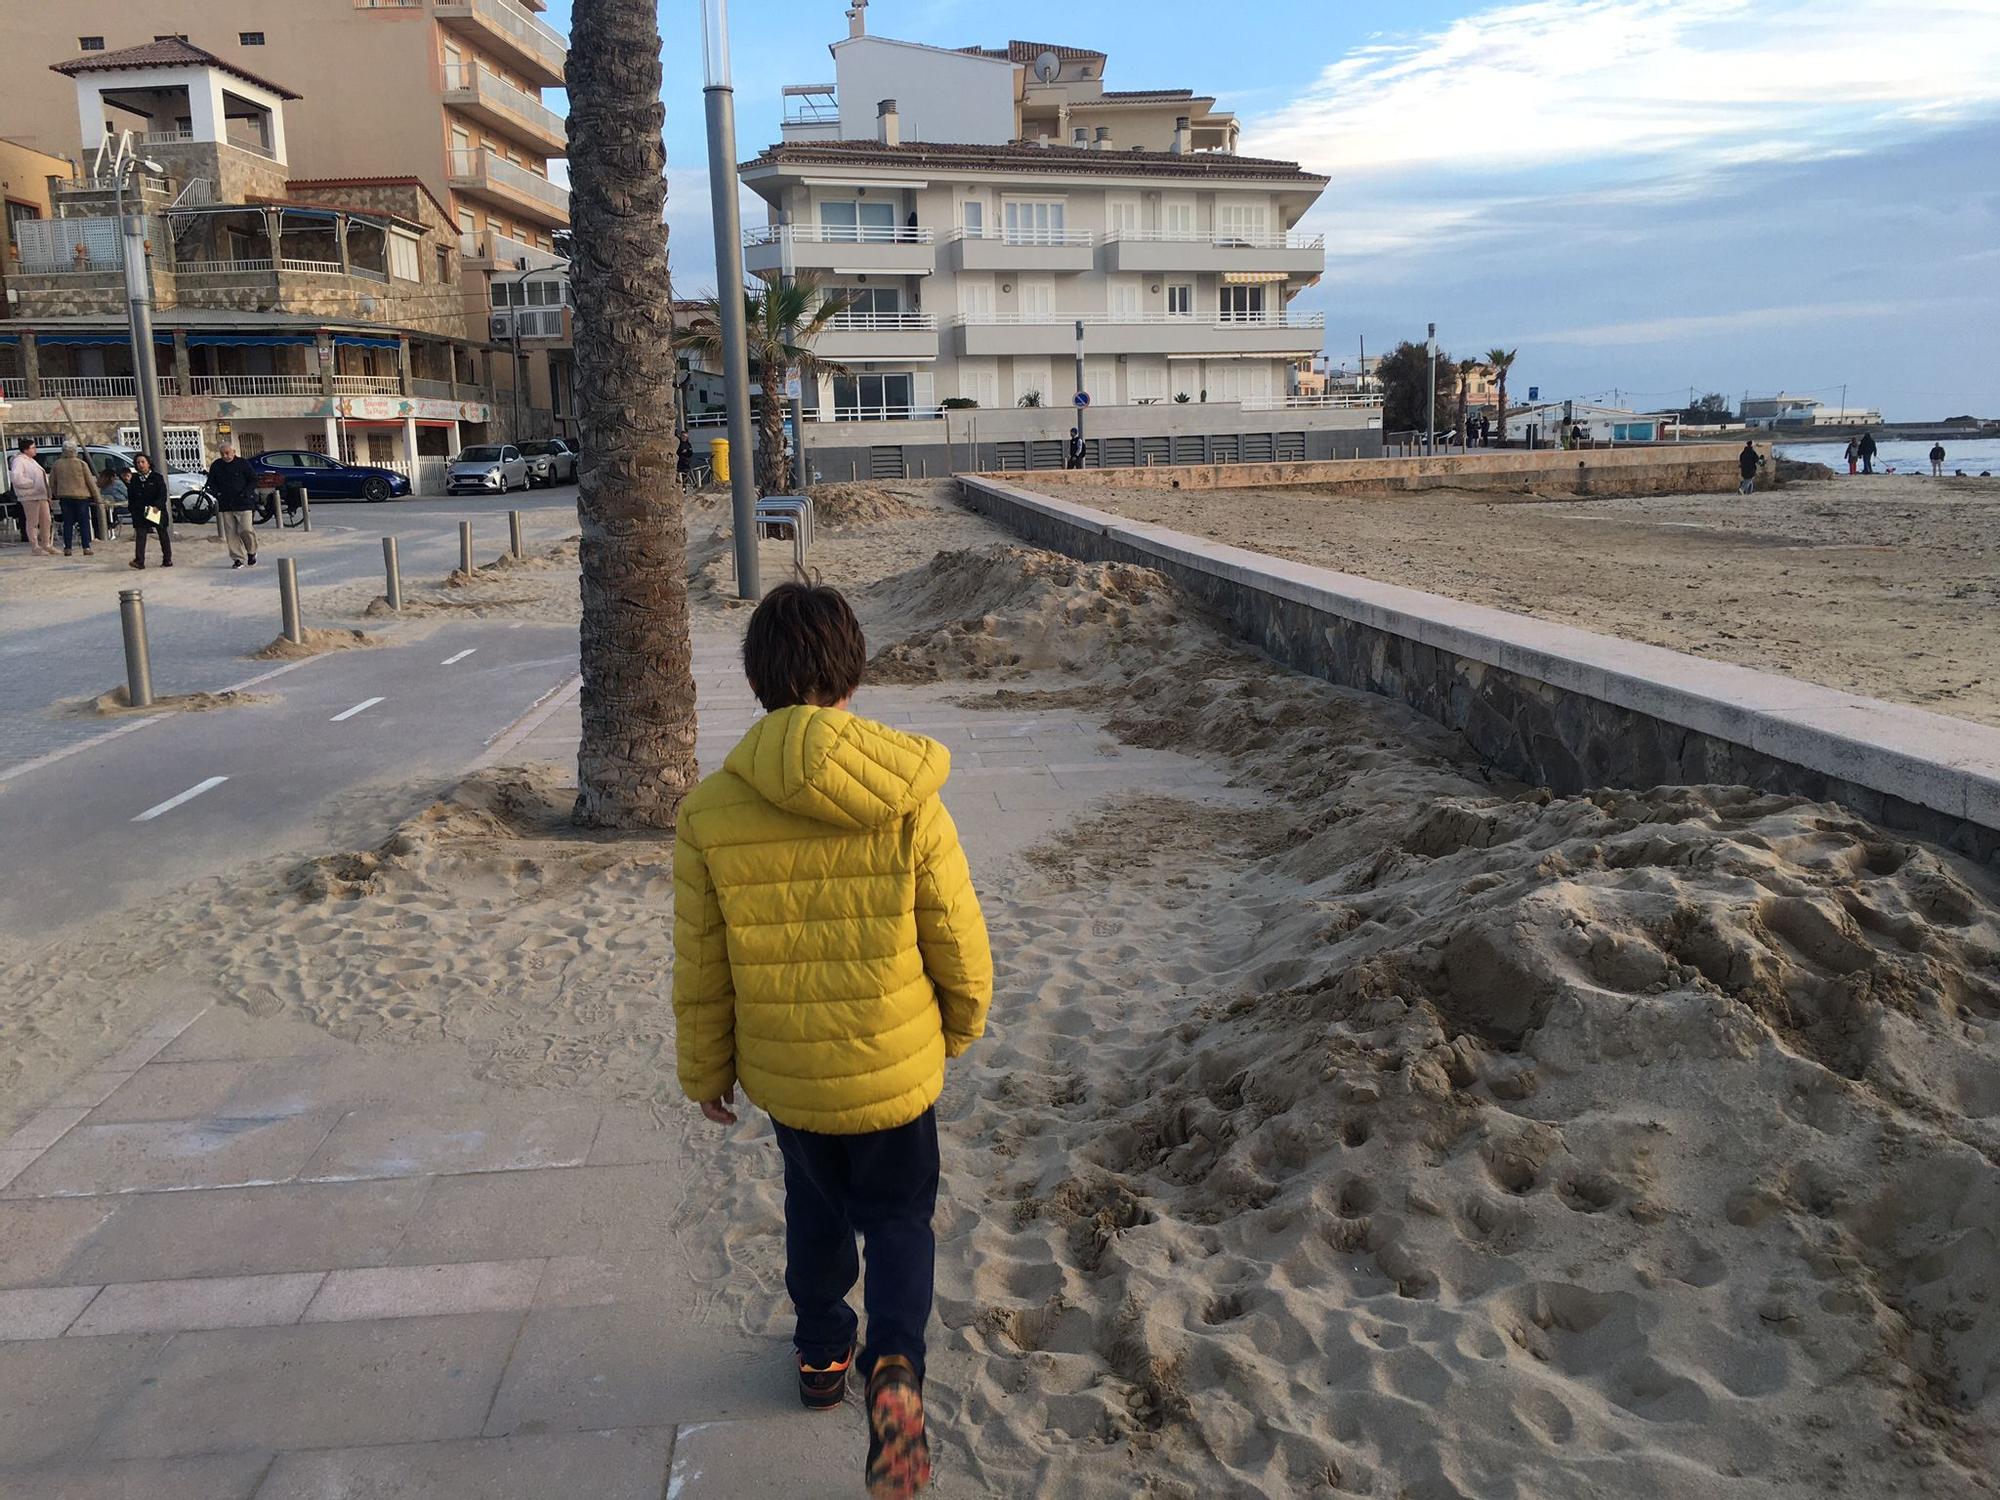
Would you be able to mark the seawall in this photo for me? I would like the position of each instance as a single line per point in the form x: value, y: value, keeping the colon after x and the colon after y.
x: 1552, y: 705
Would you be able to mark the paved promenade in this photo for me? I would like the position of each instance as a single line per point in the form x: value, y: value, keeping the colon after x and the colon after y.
x: 242, y: 1260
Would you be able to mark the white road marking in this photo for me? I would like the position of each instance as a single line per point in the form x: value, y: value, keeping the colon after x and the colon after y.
x: 461, y: 656
x: 187, y: 796
x: 360, y: 708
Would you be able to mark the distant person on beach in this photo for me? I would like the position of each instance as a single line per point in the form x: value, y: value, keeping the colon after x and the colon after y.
x: 1075, y: 459
x: 1747, y: 464
x: 1853, y: 454
x: 1866, y: 449
x: 1937, y: 460
x: 30, y: 483
x: 830, y: 955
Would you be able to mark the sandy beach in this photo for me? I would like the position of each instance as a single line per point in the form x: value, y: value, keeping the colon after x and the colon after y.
x: 1885, y: 584
x: 1380, y: 1129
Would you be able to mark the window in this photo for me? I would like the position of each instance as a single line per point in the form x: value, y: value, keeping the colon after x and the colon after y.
x: 443, y: 263
x: 403, y: 258
x: 863, y: 398
x: 1033, y: 221
x: 170, y: 36
x: 250, y: 38
x: 975, y: 298
x: 90, y: 44
x: 1177, y: 219
x: 1124, y: 300
x: 1242, y: 304
x: 979, y: 382
x: 869, y: 300
x: 973, y: 217
x: 1031, y: 378
x: 1180, y: 301
x: 1241, y: 224
x: 1038, y: 299
x: 1121, y: 217
x: 1146, y: 379
x: 857, y: 221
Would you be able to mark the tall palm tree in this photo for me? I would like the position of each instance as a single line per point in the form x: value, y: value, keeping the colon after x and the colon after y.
x: 636, y: 758
x: 1501, y: 360
x: 782, y: 323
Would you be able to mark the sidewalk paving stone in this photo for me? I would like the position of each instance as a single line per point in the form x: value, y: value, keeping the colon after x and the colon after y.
x: 204, y: 1302
x: 59, y: 1392
x: 227, y: 1033
x: 550, y: 1211
x: 41, y: 1312
x: 491, y: 1137
x: 420, y: 1291
x: 212, y: 1476
x: 315, y: 1385
x: 41, y: 1239
x: 623, y: 1465
x: 176, y: 1154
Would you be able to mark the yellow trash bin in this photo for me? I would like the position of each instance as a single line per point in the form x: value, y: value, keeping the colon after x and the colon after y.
x: 718, y: 460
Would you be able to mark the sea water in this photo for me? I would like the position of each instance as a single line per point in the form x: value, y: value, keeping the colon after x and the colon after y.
x: 1904, y: 456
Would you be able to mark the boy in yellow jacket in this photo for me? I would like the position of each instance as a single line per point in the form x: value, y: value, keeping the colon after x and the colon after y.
x: 829, y: 955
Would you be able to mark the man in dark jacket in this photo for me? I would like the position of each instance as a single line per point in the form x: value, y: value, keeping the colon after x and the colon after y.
x: 152, y: 513
x: 1747, y: 464
x: 1866, y: 448
x: 1075, y: 458
x: 1937, y: 460
x: 234, y: 484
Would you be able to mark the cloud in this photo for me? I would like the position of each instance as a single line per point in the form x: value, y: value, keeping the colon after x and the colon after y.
x: 1703, y: 325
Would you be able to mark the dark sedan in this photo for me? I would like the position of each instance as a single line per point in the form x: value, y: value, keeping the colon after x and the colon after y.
x: 327, y: 478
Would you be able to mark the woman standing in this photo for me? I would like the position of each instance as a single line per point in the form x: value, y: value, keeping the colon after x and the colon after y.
x: 147, y: 498
x: 30, y: 483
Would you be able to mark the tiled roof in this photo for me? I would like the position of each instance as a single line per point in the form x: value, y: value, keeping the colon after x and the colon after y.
x: 169, y: 52
x: 1055, y: 159
x: 1145, y: 94
x: 1027, y: 52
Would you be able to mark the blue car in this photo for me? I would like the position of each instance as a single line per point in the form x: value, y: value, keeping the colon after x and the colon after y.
x: 327, y: 478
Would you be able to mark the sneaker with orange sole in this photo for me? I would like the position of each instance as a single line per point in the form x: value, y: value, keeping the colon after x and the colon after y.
x: 899, y: 1450
x: 822, y: 1387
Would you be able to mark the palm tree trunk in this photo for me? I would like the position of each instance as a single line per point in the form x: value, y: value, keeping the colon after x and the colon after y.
x: 636, y: 758
x: 1501, y: 397
x: 771, y: 431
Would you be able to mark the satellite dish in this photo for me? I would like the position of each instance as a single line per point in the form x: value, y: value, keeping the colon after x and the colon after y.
x: 1047, y: 66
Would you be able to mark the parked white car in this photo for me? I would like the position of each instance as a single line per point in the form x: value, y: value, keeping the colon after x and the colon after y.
x: 550, y: 461
x: 490, y: 468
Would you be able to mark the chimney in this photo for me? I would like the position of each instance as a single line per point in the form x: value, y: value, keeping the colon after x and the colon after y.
x: 1082, y: 141
x: 857, y: 18
x: 1183, y: 136
x: 888, y: 124
x: 1104, y: 138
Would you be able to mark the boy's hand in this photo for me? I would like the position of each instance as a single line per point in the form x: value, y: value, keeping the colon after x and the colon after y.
x: 718, y: 1110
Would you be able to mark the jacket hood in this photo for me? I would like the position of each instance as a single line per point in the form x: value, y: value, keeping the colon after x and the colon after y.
x: 834, y: 767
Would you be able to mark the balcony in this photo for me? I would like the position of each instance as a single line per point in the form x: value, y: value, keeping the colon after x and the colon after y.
x: 998, y: 249
x: 494, y: 102
x: 489, y: 247
x: 89, y: 387
x: 867, y: 337
x: 367, y: 385
x: 864, y: 249
x: 1297, y: 256
x: 255, y: 385
x: 487, y: 174
x: 1274, y: 333
x: 531, y: 323
x: 522, y: 38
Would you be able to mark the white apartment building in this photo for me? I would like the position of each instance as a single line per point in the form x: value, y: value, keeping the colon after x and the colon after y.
x: 990, y: 213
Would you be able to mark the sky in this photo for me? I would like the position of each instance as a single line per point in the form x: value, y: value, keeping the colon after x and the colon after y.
x: 1644, y: 197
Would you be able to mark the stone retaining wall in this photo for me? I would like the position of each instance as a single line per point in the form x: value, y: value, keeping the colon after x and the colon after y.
x: 1553, y: 705
x: 1666, y: 469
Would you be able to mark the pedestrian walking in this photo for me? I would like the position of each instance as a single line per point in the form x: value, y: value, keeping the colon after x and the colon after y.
x: 30, y: 483
x: 1853, y: 454
x: 76, y: 492
x: 1748, y: 462
x: 234, y: 484
x: 1074, y: 460
x: 684, y: 463
x: 1937, y: 460
x: 152, y: 514
x: 1866, y: 449
x: 830, y: 955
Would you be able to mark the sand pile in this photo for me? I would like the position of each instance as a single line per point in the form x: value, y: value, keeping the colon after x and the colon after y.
x: 317, y: 642
x: 859, y: 504
x: 1005, y: 609
x: 117, y: 703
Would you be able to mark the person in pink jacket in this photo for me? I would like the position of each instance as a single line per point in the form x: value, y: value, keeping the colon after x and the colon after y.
x: 30, y: 483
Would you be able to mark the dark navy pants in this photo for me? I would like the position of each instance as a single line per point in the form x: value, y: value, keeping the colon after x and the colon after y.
x: 882, y: 1185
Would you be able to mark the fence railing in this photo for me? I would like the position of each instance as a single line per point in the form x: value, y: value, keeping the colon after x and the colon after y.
x: 367, y: 385
x: 879, y: 322
x: 223, y: 267
x: 532, y: 322
x: 312, y: 267
x: 471, y: 78
x: 1114, y: 319
x: 841, y: 234
x: 1225, y: 239
x: 439, y: 389
x: 256, y: 385
x: 482, y: 163
x: 14, y: 387
x: 166, y: 137
x: 1328, y: 402
x: 1000, y: 234
x: 867, y: 413
x: 536, y: 36
x: 87, y: 387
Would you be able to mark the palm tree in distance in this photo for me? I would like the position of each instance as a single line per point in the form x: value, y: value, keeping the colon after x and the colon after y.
x: 1501, y: 360
x: 635, y: 760
x: 782, y: 323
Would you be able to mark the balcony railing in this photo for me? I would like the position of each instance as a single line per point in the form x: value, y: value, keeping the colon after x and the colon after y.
x: 534, y: 36
x: 440, y: 389
x: 313, y: 267
x: 256, y: 385
x: 1205, y: 320
x: 88, y: 387
x: 223, y: 268
x: 1221, y: 239
x: 488, y: 86
x: 1327, y: 402
x: 879, y: 322
x: 13, y: 387
x: 877, y: 413
x: 485, y: 165
x: 1019, y: 235
x: 367, y: 385
x: 166, y: 137
x: 840, y: 234
x: 490, y: 245
x: 534, y: 322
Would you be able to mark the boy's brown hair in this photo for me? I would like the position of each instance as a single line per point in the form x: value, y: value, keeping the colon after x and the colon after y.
x: 803, y: 646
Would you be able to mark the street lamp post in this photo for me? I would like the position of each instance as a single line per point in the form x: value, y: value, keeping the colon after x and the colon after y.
x: 1431, y: 395
x: 139, y: 311
x: 514, y: 310
x: 1080, y: 407
x: 720, y: 101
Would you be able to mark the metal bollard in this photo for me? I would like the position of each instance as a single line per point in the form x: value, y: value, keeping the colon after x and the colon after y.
x: 138, y: 663
x: 394, y: 570
x: 465, y: 548
x: 514, y: 532
x: 306, y: 507
x: 288, y: 600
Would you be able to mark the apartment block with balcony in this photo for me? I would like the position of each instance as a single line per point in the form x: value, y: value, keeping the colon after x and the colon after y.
x: 970, y: 242
x: 448, y: 92
x: 288, y: 312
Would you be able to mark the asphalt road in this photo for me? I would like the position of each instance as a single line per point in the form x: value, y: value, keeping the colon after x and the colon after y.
x: 109, y: 813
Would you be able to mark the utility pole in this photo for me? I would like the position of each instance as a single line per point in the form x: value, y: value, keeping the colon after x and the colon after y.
x: 1079, y: 406
x: 1431, y: 395
x: 802, y: 479
x: 139, y: 309
x: 514, y: 308
x: 720, y: 102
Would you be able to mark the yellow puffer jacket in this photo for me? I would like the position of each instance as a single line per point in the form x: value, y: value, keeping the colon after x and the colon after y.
x: 829, y: 951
